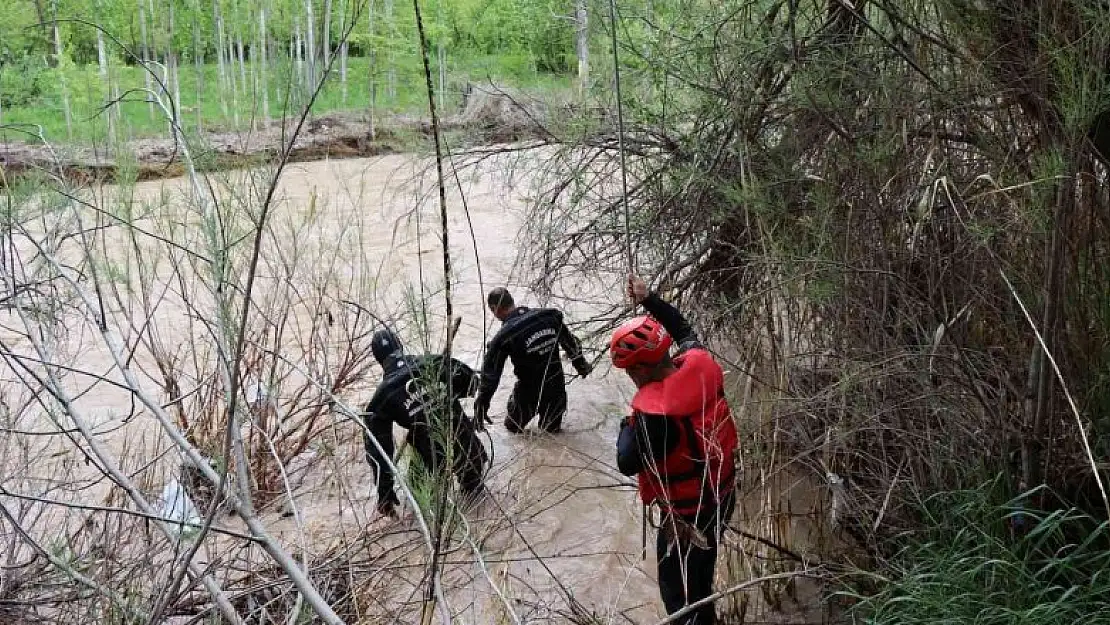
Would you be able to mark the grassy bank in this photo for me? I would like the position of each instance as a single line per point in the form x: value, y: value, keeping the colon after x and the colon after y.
x: 981, y: 559
x: 399, y: 85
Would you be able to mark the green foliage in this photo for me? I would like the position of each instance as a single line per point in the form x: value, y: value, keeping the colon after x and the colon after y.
x: 1082, y: 86
x: 539, y: 27
x: 23, y: 80
x: 507, y: 41
x: 18, y: 34
x: 88, y: 94
x: 969, y: 565
x: 1093, y: 271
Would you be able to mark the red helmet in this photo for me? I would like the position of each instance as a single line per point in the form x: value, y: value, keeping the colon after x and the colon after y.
x: 639, y: 341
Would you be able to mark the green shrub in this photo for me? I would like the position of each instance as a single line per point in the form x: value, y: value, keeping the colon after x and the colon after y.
x: 21, y: 79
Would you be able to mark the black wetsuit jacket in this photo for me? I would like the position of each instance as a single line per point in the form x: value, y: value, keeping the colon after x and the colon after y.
x: 408, y: 395
x: 531, y: 339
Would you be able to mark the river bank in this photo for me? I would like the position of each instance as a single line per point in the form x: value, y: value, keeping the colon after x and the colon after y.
x: 486, y: 115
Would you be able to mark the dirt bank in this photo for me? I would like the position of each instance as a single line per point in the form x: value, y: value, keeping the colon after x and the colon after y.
x: 486, y: 116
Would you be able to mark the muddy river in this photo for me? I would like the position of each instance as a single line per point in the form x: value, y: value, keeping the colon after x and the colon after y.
x: 567, y: 504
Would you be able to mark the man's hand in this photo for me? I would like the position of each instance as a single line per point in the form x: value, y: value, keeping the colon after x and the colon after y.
x: 387, y: 507
x: 584, y: 368
x: 637, y: 289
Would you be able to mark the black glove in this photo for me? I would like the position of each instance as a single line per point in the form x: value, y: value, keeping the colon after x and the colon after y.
x: 387, y: 506
x: 583, y: 367
x: 481, y: 416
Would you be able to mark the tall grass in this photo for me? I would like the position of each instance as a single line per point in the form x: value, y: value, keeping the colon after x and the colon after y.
x: 981, y: 560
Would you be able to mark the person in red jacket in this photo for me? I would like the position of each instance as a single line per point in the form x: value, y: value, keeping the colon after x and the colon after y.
x: 680, y: 443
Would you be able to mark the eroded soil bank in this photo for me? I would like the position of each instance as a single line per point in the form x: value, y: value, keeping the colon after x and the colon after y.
x: 486, y: 115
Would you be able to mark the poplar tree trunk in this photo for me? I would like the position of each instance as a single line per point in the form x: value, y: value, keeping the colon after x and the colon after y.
x: 145, y: 54
x: 41, y: 15
x: 298, y: 48
x: 582, y: 45
x: 373, y: 73
x: 61, y: 75
x: 325, y: 47
x: 242, y: 63
x: 391, y: 75
x: 101, y: 55
x: 171, y: 61
x: 310, y: 43
x: 230, y: 51
x: 153, y: 17
x: 221, y: 69
x: 343, y: 51
x: 441, y: 59
x: 198, y: 68
x: 105, y: 77
x: 243, y: 84
x: 293, y: 68
x: 441, y: 53
x: 262, y: 68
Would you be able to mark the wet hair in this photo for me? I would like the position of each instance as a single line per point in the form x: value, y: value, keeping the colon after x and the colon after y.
x: 500, y: 298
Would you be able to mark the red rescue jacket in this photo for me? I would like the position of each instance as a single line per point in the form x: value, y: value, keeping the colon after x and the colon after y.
x: 700, y: 469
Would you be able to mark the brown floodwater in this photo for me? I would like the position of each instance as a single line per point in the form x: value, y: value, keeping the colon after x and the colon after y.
x: 562, y: 530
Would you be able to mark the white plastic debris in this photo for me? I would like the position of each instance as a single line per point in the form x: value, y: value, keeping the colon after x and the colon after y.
x: 837, y: 505
x: 256, y: 395
x: 178, y: 508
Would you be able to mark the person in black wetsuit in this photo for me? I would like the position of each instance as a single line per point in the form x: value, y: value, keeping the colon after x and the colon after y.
x: 413, y: 394
x: 531, y: 339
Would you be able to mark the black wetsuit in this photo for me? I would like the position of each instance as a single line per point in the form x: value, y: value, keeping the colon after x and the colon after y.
x: 531, y: 339
x: 412, y: 395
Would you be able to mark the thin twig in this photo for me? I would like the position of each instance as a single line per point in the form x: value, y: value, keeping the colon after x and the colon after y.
x: 620, y: 138
x: 675, y: 617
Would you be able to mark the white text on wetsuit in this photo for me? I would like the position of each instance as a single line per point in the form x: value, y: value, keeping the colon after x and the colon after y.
x: 420, y: 393
x: 550, y: 336
x: 414, y: 403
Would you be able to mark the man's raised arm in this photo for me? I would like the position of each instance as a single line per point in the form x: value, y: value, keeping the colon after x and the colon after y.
x: 679, y: 328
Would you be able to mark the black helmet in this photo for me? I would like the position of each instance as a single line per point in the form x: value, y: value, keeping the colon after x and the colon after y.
x: 386, y: 346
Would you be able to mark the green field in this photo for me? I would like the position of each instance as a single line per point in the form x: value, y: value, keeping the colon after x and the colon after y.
x: 526, y: 44
x: 234, y: 108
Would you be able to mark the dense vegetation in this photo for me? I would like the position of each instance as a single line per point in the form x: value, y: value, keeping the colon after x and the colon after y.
x: 228, y: 61
x: 968, y: 566
x: 899, y: 212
